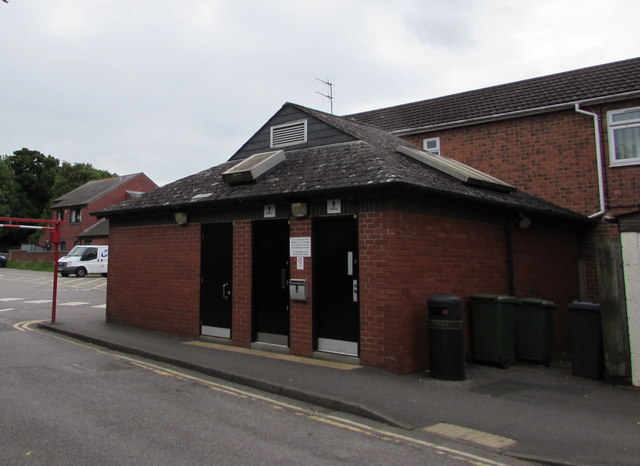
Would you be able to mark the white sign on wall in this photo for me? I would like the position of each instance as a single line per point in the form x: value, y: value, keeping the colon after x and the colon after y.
x: 300, y: 247
x: 334, y: 206
x: 269, y: 210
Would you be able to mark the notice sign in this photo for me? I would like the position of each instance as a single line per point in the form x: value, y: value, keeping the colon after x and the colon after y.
x: 300, y: 247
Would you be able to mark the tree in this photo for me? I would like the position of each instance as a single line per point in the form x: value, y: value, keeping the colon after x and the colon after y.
x: 8, y: 189
x: 35, y: 174
x: 70, y: 176
x: 8, y: 193
x: 31, y: 181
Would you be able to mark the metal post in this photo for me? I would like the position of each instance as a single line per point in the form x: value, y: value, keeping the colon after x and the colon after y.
x: 55, y: 235
x: 55, y: 239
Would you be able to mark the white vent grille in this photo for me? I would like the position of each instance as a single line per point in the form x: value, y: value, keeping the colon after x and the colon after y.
x: 289, y: 134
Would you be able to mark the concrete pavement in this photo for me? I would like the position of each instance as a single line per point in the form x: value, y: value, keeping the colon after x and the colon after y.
x: 527, y: 411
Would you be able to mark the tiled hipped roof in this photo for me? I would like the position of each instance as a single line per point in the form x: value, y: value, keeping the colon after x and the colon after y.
x: 91, y: 191
x: 602, y: 82
x: 370, y: 162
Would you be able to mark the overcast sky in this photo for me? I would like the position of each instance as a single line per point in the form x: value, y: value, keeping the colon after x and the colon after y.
x: 172, y: 87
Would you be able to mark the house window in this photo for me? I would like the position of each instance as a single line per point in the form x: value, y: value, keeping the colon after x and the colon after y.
x: 431, y: 145
x: 624, y: 136
x: 289, y: 134
x: 60, y: 214
x: 76, y: 215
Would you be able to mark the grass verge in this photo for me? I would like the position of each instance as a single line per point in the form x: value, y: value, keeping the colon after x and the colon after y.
x: 35, y: 266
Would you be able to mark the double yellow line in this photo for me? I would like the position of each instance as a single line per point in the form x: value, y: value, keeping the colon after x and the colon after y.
x: 310, y: 413
x: 24, y: 326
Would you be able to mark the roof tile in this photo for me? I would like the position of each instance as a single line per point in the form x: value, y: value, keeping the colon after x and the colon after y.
x: 601, y: 81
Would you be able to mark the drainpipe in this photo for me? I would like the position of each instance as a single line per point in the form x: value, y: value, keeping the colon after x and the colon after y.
x: 508, y: 232
x: 601, y: 183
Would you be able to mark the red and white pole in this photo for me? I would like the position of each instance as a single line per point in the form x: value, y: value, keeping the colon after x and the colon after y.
x: 55, y: 239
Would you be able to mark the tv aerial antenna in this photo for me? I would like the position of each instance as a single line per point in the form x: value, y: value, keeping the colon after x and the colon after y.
x: 329, y: 91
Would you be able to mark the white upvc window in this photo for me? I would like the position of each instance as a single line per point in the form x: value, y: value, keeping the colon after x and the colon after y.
x: 431, y: 145
x: 76, y: 215
x: 624, y: 136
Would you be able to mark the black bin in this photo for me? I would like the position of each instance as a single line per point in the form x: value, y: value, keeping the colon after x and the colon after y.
x: 446, y: 337
x: 587, y: 352
x: 534, y: 330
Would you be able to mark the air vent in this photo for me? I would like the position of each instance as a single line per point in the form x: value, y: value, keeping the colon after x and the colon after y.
x: 251, y: 168
x: 458, y: 170
x: 289, y: 134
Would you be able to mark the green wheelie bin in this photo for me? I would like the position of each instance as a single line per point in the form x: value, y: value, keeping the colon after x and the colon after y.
x: 534, y: 334
x: 493, y: 320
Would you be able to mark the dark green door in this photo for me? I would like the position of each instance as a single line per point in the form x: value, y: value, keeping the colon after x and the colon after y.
x: 335, y: 285
x: 270, y: 282
x: 216, y: 274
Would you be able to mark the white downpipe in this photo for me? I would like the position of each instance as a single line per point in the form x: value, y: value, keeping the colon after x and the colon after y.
x: 601, y: 186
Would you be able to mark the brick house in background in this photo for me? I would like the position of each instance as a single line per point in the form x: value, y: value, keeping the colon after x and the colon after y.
x: 365, y: 223
x: 75, y: 207
x: 573, y: 139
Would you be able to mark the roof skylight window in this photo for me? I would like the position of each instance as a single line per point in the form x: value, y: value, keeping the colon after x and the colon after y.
x: 458, y: 170
x: 252, y: 167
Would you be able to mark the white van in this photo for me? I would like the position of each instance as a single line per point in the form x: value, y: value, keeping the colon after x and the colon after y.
x: 82, y: 260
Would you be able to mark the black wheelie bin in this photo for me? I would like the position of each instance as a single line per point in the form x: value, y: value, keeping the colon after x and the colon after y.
x: 587, y: 351
x: 446, y: 337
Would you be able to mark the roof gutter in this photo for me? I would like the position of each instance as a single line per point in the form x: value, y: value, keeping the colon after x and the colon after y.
x: 515, y: 114
x: 601, y: 181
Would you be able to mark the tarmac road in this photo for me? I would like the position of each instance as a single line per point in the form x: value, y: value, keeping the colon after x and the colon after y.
x: 68, y: 402
x: 527, y: 411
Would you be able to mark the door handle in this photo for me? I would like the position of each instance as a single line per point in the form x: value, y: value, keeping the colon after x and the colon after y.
x: 355, y: 291
x: 226, y: 291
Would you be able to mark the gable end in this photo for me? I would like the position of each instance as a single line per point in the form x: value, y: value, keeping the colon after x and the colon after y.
x: 288, y: 125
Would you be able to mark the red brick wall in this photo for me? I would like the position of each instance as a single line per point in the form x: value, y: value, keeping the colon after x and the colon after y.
x: 301, y: 324
x: 551, y: 156
x: 405, y: 257
x: 95, y: 241
x: 242, y: 283
x: 149, y: 288
x: 69, y: 231
x: 623, y: 183
x: 545, y: 266
x: 140, y: 183
x: 27, y: 256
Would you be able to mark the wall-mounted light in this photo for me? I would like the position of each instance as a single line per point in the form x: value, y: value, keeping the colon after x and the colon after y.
x: 524, y: 222
x: 299, y: 209
x: 181, y: 218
